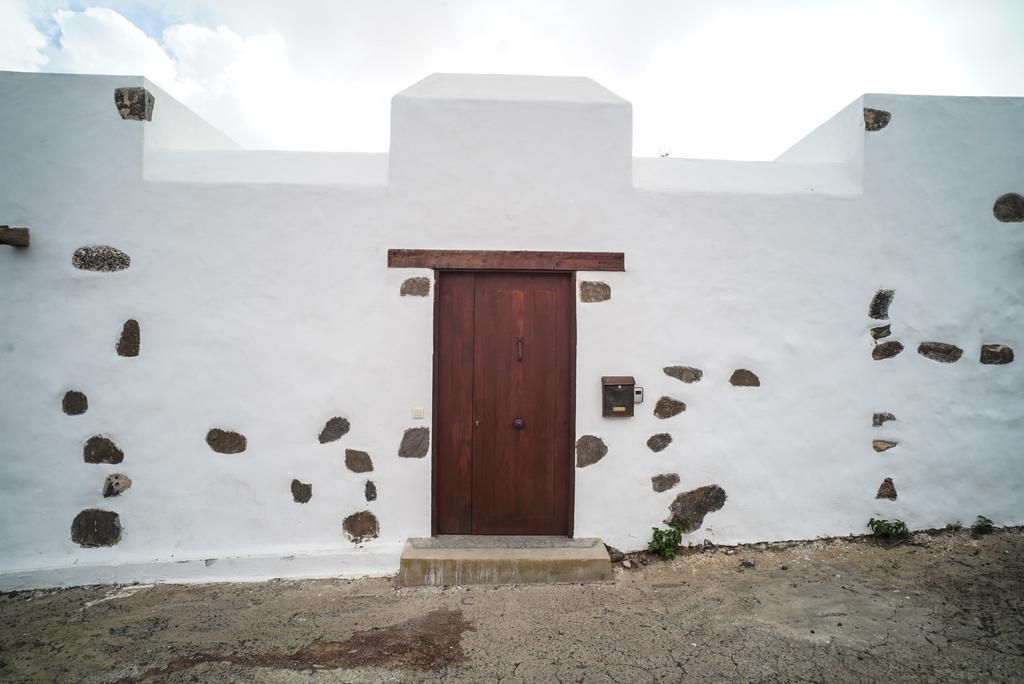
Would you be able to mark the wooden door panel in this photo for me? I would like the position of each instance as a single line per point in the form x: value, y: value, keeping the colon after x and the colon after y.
x: 453, y: 404
x: 520, y: 476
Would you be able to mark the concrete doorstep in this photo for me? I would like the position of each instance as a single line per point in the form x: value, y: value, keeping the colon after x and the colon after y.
x: 448, y: 560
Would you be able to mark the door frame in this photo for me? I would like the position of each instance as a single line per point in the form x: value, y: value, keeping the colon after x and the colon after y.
x: 570, y: 460
x: 477, y: 261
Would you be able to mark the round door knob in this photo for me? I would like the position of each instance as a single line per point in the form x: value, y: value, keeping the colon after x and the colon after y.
x: 518, y: 423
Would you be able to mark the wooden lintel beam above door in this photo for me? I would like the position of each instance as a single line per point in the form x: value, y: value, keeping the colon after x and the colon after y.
x: 487, y: 260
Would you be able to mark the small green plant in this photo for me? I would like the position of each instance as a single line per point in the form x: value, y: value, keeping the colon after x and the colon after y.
x: 888, y: 529
x: 665, y: 543
x: 982, y: 526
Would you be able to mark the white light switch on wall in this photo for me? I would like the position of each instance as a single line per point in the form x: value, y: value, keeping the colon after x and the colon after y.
x: 417, y: 413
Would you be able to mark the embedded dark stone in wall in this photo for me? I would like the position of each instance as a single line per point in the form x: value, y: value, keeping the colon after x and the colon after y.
x: 370, y: 491
x: 15, y: 237
x: 128, y: 343
x: 361, y: 526
x: 93, y: 527
x: 881, y: 331
x: 664, y: 482
x: 103, y: 258
x: 74, y: 403
x: 334, y: 429
x: 226, y: 441
x: 115, y: 484
x: 1009, y: 208
x: 668, y: 407
x: 689, y: 508
x: 996, y: 354
x: 301, y: 492
x: 886, y: 350
x: 741, y: 377
x: 589, y: 450
x: 659, y: 442
x: 940, y: 351
x: 415, y: 287
x: 684, y: 373
x: 99, y: 449
x: 878, y: 419
x: 887, y: 490
x: 358, y: 461
x: 882, y: 445
x: 135, y: 104
x: 415, y: 443
x: 879, y: 308
x: 876, y: 119
x: 594, y: 291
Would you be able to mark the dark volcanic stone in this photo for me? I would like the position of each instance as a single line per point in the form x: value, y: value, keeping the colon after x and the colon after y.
x: 415, y: 287
x: 301, y: 492
x: 881, y: 331
x: 664, y: 482
x: 659, y: 442
x: 886, y: 350
x: 741, y: 377
x: 1009, y: 208
x: 75, y: 403
x: 115, y: 484
x: 361, y: 526
x: 996, y: 354
x: 370, y: 491
x: 887, y: 490
x: 668, y: 407
x: 879, y: 418
x: 358, y: 461
x: 128, y: 343
x: 225, y: 441
x: 684, y: 373
x: 879, y: 308
x: 415, y: 443
x: 940, y: 351
x: 589, y: 450
x: 99, y: 449
x: 334, y: 429
x: 876, y: 119
x: 15, y: 237
x: 614, y: 555
x: 102, y: 258
x: 135, y: 104
x: 93, y: 527
x: 689, y: 508
x: 594, y: 291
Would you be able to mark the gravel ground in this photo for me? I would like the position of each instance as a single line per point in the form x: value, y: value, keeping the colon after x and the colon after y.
x: 939, y: 607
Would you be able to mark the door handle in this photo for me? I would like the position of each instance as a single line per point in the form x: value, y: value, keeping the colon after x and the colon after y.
x: 518, y: 423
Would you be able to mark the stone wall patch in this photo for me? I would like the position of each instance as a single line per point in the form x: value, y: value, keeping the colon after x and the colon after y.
x: 664, y: 482
x: 74, y: 403
x: 100, y: 449
x: 134, y: 104
x: 15, y: 237
x: 415, y: 287
x: 301, y: 492
x: 668, y: 407
x: 102, y: 258
x: 886, y: 350
x: 415, y: 443
x: 128, y: 342
x: 879, y: 308
x: 742, y: 377
x: 358, y: 461
x: 940, y: 351
x: 1009, y: 208
x: 996, y: 354
x: 592, y: 291
x: 688, y: 509
x: 115, y: 484
x: 226, y: 441
x: 687, y: 374
x: 659, y: 442
x: 876, y: 119
x: 361, y: 526
x: 334, y: 429
x: 878, y: 419
x: 93, y: 528
x: 589, y: 450
x: 886, y: 490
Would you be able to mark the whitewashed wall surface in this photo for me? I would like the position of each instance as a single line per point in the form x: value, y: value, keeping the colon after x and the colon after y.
x: 207, y: 369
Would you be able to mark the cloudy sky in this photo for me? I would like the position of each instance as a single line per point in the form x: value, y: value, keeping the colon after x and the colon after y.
x: 730, y: 79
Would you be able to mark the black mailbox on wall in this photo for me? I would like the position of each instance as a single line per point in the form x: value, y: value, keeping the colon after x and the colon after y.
x: 617, y: 395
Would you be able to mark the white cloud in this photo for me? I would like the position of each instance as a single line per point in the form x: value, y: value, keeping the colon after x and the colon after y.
x: 730, y: 79
x: 21, y: 43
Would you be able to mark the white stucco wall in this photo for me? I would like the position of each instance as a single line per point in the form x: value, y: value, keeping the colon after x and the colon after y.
x: 259, y: 280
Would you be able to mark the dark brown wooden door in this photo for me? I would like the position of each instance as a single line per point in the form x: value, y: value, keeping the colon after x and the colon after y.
x: 503, y: 403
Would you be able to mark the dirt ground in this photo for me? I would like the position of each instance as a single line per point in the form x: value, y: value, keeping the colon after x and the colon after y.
x: 940, y: 607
